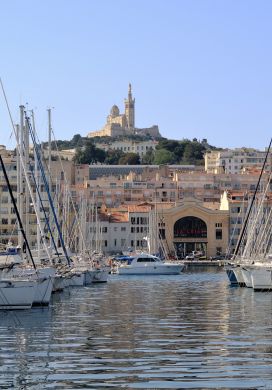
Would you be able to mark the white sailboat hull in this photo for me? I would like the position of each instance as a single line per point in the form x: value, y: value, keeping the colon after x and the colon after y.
x: 96, y: 276
x: 239, y: 276
x: 43, y: 291
x: 43, y: 276
x: 246, y: 273
x: 261, y: 277
x: 59, y: 283
x: 77, y: 279
x: 17, y: 294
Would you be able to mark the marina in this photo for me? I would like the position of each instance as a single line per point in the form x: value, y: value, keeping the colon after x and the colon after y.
x: 136, y: 195
x: 187, y: 331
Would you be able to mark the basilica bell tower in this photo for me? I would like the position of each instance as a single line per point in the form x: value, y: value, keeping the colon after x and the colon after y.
x: 130, y: 109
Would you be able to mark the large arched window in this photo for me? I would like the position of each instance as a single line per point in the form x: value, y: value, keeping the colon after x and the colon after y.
x: 190, y: 227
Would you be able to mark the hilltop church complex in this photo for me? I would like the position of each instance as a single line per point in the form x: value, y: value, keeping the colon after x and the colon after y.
x: 124, y: 124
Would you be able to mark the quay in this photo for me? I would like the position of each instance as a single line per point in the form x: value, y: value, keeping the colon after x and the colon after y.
x: 214, y: 263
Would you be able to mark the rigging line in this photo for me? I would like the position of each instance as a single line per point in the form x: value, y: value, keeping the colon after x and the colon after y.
x: 70, y: 195
x: 40, y: 199
x: 39, y: 146
x: 17, y: 212
x: 256, y: 222
x: 253, y: 199
x: 43, y: 209
x: 21, y: 157
x: 233, y: 232
x: 47, y: 189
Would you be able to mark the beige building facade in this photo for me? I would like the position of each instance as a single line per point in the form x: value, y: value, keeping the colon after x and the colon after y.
x: 130, y: 146
x: 190, y: 226
x: 177, y: 230
x: 234, y: 161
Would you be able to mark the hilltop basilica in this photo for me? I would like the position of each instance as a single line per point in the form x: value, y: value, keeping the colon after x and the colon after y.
x: 124, y: 124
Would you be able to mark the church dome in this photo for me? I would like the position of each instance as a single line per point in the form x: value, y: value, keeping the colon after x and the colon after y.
x: 114, y: 111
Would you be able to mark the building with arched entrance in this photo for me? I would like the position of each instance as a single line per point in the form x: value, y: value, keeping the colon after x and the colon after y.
x: 191, y: 226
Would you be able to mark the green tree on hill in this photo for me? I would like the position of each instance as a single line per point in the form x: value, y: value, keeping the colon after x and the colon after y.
x: 163, y: 156
x: 113, y: 157
x: 130, y: 159
x: 89, y: 154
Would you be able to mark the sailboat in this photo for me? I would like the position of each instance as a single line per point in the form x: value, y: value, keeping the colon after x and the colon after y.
x: 145, y: 263
x: 42, y: 275
x: 16, y: 292
x: 253, y: 266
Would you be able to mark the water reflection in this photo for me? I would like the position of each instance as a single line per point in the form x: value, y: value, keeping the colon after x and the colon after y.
x: 178, y: 332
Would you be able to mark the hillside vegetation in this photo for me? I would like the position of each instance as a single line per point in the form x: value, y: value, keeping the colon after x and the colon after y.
x: 167, y: 151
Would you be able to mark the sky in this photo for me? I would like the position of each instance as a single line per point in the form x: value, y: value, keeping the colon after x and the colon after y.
x: 198, y: 68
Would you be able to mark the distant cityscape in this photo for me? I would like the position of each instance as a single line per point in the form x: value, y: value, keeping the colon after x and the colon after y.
x: 135, y: 184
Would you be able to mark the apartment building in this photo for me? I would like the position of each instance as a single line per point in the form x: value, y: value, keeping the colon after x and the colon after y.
x: 130, y: 146
x: 234, y: 161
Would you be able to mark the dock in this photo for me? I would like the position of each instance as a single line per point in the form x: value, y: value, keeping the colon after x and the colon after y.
x: 215, y: 263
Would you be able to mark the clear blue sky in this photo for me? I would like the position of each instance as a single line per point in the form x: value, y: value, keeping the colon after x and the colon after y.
x: 198, y: 68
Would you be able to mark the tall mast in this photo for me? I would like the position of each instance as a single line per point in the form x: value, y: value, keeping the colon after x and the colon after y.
x: 26, y: 154
x: 37, y: 178
x: 17, y: 212
x: 19, y: 175
x: 21, y: 153
x: 49, y: 166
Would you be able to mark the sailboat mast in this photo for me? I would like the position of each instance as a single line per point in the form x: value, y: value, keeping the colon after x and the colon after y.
x: 19, y: 175
x: 20, y: 149
x: 26, y: 156
x: 251, y: 204
x: 49, y: 167
x: 16, y: 211
x: 37, y: 178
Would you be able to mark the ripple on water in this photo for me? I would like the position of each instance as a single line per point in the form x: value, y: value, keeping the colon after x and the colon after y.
x: 177, y: 332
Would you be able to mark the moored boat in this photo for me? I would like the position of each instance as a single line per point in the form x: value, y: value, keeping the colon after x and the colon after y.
x: 146, y: 264
x: 17, y: 293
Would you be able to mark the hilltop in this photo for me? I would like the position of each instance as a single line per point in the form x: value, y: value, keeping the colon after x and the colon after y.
x: 166, y: 151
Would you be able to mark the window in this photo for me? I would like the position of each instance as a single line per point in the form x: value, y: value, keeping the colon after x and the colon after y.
x: 162, y: 234
x: 104, y: 229
x: 115, y: 242
x: 218, y: 225
x: 190, y: 227
x: 218, y: 251
x: 123, y: 229
x: 144, y: 220
x: 145, y: 260
x: 218, y: 234
x: 105, y: 243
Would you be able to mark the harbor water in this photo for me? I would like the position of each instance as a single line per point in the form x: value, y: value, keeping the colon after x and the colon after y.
x: 191, y: 331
